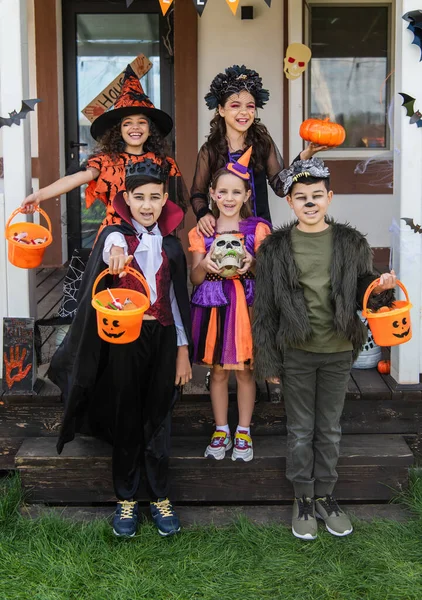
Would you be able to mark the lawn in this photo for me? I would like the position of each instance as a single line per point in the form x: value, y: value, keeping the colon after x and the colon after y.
x: 54, y: 559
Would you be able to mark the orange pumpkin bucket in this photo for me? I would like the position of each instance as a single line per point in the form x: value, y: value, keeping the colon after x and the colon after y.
x: 120, y: 326
x: 389, y: 326
x: 27, y: 241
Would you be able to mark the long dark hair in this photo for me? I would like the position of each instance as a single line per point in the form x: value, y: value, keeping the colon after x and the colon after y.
x: 112, y: 143
x: 256, y: 136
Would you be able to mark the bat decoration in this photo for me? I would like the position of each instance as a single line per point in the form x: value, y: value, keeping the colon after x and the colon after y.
x: 414, y: 18
x: 413, y: 227
x: 409, y: 104
x: 16, y: 117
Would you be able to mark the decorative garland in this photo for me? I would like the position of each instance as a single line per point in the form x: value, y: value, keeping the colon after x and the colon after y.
x: 199, y: 5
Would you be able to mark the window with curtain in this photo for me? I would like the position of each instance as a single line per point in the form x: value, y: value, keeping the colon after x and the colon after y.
x: 349, y: 74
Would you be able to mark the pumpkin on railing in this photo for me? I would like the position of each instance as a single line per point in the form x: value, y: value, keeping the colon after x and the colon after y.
x: 322, y: 132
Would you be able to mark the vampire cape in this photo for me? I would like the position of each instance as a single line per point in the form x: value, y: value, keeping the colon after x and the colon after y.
x: 76, y: 365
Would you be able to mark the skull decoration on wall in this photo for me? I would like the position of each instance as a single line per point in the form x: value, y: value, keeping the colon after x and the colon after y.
x: 228, y: 252
x: 297, y: 57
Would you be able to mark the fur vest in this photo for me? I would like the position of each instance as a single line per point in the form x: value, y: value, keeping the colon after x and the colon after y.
x: 280, y: 312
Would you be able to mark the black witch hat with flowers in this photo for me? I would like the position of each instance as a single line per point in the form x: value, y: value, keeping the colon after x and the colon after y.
x: 234, y: 80
x: 132, y: 100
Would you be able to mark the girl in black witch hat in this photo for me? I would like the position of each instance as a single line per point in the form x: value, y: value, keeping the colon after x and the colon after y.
x: 132, y: 131
x: 235, y: 95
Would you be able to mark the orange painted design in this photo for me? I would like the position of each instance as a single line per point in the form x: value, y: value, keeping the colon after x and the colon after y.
x: 211, y: 338
x: 261, y: 232
x: 243, y: 325
x: 15, y: 361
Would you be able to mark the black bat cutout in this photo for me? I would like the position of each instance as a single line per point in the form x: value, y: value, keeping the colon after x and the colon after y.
x: 414, y: 18
x: 413, y: 227
x: 409, y: 104
x: 16, y: 117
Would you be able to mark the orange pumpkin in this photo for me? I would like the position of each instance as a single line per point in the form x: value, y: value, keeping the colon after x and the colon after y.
x: 384, y: 367
x: 322, y: 132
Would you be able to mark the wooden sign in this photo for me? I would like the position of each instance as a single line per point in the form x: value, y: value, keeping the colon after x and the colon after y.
x: 19, y: 366
x: 109, y: 95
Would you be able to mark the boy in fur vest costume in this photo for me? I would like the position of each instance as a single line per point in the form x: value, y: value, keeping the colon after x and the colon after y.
x: 310, y: 280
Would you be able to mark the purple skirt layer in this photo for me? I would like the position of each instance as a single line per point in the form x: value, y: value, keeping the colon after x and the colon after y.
x: 208, y: 294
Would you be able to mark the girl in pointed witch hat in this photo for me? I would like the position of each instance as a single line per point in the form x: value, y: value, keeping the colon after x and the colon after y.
x: 235, y: 95
x: 130, y: 132
x: 221, y: 306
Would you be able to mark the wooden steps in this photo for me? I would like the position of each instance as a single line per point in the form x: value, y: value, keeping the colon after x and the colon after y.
x: 371, y: 468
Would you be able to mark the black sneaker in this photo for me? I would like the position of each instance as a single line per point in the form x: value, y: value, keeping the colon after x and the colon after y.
x: 164, y: 516
x: 125, y: 520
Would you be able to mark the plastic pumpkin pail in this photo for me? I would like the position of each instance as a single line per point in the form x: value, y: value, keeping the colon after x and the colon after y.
x: 120, y: 326
x: 390, y: 327
x: 27, y: 255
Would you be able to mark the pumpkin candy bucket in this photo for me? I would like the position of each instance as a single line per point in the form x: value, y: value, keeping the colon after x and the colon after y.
x: 27, y: 241
x: 322, y: 132
x: 120, y: 326
x: 389, y: 326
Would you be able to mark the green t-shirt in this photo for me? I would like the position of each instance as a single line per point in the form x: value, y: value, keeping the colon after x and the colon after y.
x: 312, y: 254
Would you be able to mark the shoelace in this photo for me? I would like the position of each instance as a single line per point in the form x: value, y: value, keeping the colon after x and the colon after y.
x: 165, y: 508
x: 127, y: 509
x: 330, y: 505
x: 242, y: 440
x: 306, y: 508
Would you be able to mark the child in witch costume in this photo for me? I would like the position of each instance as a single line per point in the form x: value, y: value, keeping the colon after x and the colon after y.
x: 133, y: 130
x: 125, y: 393
x: 221, y: 306
x: 311, y: 278
x: 235, y: 95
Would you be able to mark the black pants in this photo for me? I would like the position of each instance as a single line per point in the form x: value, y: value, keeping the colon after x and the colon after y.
x: 137, y: 386
x: 314, y: 388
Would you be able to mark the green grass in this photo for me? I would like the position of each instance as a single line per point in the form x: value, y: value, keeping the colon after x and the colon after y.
x: 55, y: 559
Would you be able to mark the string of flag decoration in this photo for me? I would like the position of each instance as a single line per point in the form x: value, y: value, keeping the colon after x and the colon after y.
x: 199, y: 5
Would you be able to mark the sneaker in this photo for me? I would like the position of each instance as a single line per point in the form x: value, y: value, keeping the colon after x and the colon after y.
x: 336, y: 521
x: 243, y: 449
x: 304, y: 524
x: 125, y: 520
x: 221, y: 442
x: 164, y: 516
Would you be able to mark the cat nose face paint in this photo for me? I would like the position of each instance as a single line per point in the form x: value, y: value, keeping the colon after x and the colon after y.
x: 309, y: 205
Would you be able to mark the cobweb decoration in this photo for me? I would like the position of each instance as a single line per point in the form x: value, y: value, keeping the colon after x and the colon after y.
x: 71, y: 286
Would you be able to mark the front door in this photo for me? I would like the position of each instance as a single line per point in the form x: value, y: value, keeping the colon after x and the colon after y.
x: 100, y: 37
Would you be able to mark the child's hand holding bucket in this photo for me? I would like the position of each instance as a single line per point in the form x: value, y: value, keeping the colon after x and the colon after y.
x: 118, y: 261
x: 29, y: 205
x: 387, y: 281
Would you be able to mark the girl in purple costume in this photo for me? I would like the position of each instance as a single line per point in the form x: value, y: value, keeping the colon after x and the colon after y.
x: 221, y: 311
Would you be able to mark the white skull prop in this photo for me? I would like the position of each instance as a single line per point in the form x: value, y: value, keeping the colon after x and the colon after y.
x: 228, y: 252
x: 297, y: 57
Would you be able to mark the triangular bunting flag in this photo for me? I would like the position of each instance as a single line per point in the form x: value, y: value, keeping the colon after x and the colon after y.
x: 165, y: 5
x: 200, y: 5
x: 268, y: 2
x: 233, y: 5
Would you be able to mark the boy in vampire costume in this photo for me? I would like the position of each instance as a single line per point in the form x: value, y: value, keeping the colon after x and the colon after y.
x: 124, y: 393
x: 311, y: 278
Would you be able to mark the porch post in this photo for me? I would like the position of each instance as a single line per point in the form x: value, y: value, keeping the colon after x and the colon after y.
x: 17, y: 285
x: 406, y: 359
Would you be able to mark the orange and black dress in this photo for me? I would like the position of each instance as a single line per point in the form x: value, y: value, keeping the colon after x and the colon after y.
x: 111, y: 180
x: 221, y: 324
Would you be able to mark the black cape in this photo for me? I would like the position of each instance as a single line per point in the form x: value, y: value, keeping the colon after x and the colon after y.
x: 75, y: 365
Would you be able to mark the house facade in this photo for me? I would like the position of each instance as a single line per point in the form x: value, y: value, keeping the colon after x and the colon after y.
x: 66, y: 51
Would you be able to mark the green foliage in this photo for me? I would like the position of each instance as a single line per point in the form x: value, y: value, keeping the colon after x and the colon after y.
x: 51, y: 558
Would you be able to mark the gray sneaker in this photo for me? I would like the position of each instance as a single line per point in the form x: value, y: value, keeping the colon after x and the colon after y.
x: 304, y: 524
x: 336, y: 521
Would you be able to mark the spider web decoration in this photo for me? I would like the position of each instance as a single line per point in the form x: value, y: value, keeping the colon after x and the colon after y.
x: 71, y: 285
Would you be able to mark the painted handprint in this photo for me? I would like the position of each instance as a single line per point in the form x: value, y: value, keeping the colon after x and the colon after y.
x: 15, y: 362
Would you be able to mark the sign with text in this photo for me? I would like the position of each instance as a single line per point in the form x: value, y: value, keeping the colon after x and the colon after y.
x: 19, y: 366
x: 109, y: 95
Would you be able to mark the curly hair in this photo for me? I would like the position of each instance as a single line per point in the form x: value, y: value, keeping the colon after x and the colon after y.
x: 256, y: 136
x: 112, y: 143
x: 246, y: 210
